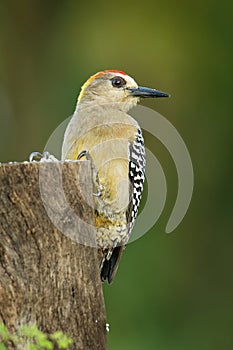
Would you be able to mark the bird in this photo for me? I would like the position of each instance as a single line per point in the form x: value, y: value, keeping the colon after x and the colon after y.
x: 102, y: 131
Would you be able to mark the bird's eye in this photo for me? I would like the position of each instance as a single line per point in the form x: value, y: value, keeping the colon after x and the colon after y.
x: 118, y: 82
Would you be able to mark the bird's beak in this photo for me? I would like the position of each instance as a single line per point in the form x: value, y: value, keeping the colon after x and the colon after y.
x: 147, y: 92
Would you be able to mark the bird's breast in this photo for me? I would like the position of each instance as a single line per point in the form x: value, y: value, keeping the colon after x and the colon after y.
x: 107, y: 144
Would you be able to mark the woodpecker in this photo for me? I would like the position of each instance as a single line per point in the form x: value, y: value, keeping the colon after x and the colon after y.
x: 103, y: 132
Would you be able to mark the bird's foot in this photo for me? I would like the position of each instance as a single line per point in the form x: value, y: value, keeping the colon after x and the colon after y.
x: 85, y: 154
x: 98, y: 187
x: 42, y: 157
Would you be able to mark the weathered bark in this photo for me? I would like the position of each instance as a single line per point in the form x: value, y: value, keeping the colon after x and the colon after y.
x: 49, y: 275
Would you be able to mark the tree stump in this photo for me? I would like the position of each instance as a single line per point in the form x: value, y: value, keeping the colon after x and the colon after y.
x: 49, y: 273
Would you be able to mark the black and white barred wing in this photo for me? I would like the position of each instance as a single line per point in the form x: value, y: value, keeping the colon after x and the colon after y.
x: 137, y: 163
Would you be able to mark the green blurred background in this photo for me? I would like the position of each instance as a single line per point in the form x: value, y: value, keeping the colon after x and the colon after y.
x: 171, y: 291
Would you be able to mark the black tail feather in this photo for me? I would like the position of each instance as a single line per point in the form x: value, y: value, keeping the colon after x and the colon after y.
x: 110, y: 266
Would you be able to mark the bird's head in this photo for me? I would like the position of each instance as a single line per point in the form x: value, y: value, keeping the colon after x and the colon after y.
x: 115, y: 88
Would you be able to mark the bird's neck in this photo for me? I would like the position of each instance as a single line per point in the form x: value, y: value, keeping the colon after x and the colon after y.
x: 101, y: 104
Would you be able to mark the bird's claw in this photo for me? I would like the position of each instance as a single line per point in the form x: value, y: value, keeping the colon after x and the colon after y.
x: 84, y: 154
x: 42, y: 157
x: 97, y: 185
